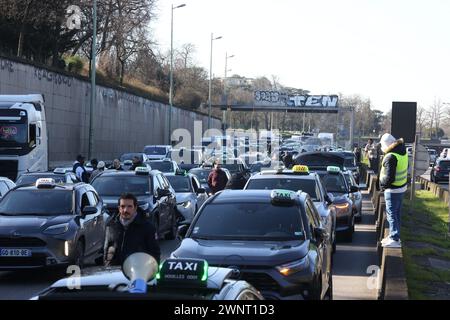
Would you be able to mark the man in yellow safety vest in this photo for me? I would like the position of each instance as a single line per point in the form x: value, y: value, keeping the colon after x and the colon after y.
x: 393, y: 181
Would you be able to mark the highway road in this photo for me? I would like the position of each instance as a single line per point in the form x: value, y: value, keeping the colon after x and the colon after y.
x: 350, y: 270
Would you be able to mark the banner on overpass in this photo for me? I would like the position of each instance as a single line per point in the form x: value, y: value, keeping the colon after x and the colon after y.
x: 278, y: 101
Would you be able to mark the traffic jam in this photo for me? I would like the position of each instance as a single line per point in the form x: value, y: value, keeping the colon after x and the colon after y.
x: 249, y: 225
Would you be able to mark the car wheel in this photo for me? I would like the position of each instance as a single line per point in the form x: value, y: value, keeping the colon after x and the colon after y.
x: 329, y: 293
x: 173, y: 229
x: 79, y: 255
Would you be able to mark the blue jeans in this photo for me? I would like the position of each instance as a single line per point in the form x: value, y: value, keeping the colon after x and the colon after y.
x: 393, y: 207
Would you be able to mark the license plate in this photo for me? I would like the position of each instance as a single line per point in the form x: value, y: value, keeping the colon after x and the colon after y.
x: 15, y: 253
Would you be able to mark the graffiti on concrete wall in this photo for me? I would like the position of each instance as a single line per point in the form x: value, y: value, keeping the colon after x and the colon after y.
x: 50, y: 76
x: 6, y: 65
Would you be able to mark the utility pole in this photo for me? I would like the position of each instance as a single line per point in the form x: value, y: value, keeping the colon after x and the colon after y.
x: 93, y: 70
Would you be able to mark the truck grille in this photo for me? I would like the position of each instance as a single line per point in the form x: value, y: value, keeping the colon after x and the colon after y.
x: 8, y: 168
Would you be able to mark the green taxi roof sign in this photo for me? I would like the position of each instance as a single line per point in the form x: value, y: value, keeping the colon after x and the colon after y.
x: 333, y: 169
x: 192, y: 273
x: 282, y: 196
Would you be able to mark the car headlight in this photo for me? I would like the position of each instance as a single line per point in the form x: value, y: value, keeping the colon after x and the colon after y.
x: 144, y: 206
x: 185, y: 204
x: 342, y: 208
x: 57, y: 229
x: 293, y: 267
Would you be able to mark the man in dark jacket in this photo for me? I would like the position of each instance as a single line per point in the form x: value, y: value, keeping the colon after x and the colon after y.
x: 79, y: 169
x: 129, y: 232
x: 393, y: 181
x: 217, y: 179
x: 237, y: 181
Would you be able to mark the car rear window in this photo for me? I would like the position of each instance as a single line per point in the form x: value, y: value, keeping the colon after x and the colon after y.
x: 444, y: 165
x: 116, y: 185
x: 306, y: 185
x: 31, y: 179
x: 162, y: 166
x: 334, y: 183
x: 201, y: 174
x: 249, y: 221
x: 179, y: 183
x: 158, y: 151
x: 37, y: 202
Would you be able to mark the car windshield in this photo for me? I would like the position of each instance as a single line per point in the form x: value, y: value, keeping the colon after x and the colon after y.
x: 130, y: 156
x: 306, y: 185
x: 201, y: 174
x: 155, y: 151
x: 249, y: 221
x: 43, y: 202
x: 349, y: 162
x: 13, y: 133
x: 334, y: 183
x: 116, y: 185
x: 179, y: 183
x: 162, y: 166
x: 31, y: 179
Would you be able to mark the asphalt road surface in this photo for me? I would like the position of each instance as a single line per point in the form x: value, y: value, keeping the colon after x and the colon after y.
x: 350, y: 272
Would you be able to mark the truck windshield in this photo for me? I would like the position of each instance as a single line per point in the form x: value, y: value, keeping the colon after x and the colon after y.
x: 13, y: 133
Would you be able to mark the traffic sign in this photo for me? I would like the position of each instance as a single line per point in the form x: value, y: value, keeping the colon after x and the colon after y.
x: 422, y: 160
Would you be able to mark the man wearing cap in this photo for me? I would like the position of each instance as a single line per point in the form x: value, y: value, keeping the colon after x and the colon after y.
x: 80, y: 170
x: 96, y: 172
x: 393, y: 180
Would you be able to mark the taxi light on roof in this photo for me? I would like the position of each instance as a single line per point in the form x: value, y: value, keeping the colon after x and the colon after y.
x: 45, y: 183
x: 286, y: 196
x: 300, y: 169
x: 332, y: 169
x: 178, y: 273
x: 59, y: 171
x: 142, y: 170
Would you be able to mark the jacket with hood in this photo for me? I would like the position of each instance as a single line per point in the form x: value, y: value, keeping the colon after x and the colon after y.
x: 390, y: 165
x: 139, y: 236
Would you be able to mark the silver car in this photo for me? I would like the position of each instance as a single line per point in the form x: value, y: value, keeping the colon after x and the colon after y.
x: 5, y: 185
x: 295, y: 181
x: 356, y: 196
x: 189, y: 193
x: 212, y: 283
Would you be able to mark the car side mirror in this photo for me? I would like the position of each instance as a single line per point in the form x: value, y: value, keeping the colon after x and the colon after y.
x: 321, y: 234
x: 201, y: 190
x: 329, y: 198
x: 354, y: 189
x: 88, y: 210
x: 163, y: 193
x: 181, y: 231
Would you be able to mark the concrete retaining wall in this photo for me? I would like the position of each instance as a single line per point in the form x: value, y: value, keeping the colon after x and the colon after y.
x: 123, y: 122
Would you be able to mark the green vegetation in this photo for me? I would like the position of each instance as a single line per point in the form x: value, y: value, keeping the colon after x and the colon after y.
x: 424, y: 236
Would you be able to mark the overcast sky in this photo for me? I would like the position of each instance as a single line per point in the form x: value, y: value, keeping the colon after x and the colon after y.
x: 385, y: 50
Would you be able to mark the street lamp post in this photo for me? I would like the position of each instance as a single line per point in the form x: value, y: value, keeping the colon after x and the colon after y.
x: 225, y: 87
x: 92, y: 102
x: 171, y: 71
x: 210, y: 79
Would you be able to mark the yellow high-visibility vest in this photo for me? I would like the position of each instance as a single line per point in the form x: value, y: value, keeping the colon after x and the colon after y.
x: 401, y: 171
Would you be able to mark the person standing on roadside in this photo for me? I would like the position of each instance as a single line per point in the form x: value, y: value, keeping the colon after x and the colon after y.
x: 372, y: 154
x: 79, y: 169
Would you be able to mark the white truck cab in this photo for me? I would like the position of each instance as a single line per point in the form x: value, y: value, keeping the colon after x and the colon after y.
x: 23, y: 135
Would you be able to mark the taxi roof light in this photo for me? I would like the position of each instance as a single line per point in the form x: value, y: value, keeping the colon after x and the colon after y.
x: 300, y: 169
x: 60, y: 171
x: 142, y: 171
x: 333, y: 169
x: 282, y: 196
x: 45, y: 183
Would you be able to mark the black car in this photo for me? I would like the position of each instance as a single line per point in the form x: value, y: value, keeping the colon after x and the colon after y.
x: 155, y: 195
x: 349, y: 163
x: 48, y: 224
x: 186, y: 159
x: 5, y: 185
x: 440, y: 170
x: 59, y: 175
x: 272, y: 239
x: 236, y: 165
